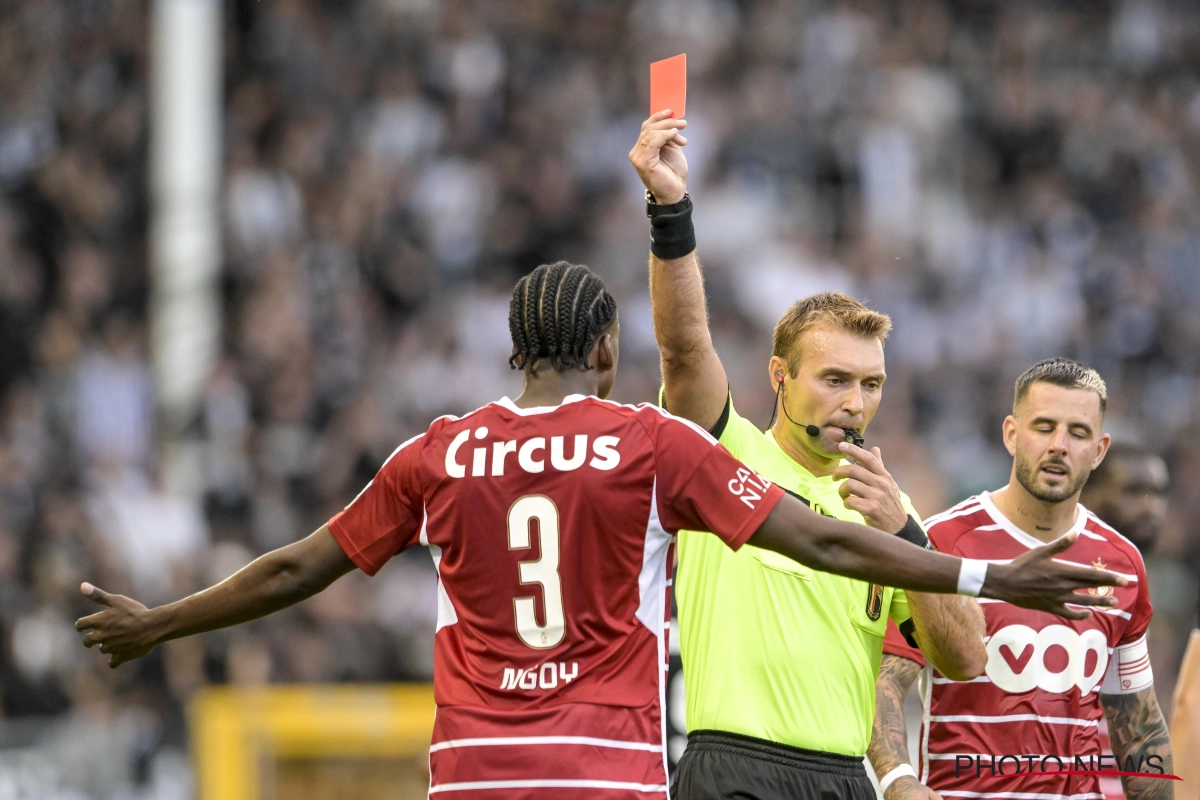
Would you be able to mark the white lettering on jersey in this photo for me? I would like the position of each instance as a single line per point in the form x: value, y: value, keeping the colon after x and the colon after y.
x: 499, y: 451
x: 1129, y: 670
x: 607, y: 456
x: 453, y: 468
x: 749, y: 486
x: 558, y: 461
x: 1017, y: 659
x: 525, y: 455
x: 545, y: 676
x: 531, y: 455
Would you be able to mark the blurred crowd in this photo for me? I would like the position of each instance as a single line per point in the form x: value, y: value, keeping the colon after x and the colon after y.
x: 1007, y: 180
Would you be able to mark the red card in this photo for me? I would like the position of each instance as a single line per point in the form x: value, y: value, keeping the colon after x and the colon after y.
x: 668, y: 85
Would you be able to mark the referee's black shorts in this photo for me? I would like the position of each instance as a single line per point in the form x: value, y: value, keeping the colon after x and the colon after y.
x: 729, y: 766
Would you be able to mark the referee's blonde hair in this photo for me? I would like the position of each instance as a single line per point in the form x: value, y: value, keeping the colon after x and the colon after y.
x: 1065, y: 372
x: 834, y: 308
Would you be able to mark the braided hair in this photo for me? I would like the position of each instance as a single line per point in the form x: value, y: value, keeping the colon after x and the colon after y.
x: 557, y: 313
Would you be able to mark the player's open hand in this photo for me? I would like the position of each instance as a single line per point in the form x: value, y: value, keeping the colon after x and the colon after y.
x: 122, y: 629
x: 658, y: 157
x: 1037, y: 580
x: 869, y: 489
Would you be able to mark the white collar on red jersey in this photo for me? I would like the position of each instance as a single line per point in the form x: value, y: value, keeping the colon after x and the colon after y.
x: 1009, y: 527
x: 526, y: 412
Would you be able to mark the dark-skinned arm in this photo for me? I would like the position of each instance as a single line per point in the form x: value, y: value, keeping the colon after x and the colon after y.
x: 126, y: 630
x: 889, y: 733
x: 1034, y: 580
x: 1137, y: 731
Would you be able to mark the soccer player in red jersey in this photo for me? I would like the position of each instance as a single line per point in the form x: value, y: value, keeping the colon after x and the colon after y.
x: 551, y: 522
x: 1048, y: 682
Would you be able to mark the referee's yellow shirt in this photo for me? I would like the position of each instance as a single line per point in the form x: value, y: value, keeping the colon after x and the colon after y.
x: 772, y: 648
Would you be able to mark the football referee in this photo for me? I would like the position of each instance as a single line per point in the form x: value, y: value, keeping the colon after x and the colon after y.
x: 780, y: 660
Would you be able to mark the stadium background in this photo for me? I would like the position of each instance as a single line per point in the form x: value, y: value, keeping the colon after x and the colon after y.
x: 1007, y: 180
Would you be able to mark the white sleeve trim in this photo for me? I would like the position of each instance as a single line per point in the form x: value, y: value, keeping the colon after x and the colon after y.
x: 1128, y: 669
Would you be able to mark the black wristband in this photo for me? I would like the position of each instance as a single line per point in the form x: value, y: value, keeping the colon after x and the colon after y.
x: 913, y: 532
x: 908, y: 629
x: 672, y: 235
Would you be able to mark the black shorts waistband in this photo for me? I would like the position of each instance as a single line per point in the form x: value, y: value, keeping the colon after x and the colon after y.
x: 766, y: 750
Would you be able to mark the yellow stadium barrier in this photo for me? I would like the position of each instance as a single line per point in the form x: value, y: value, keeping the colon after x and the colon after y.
x: 313, y: 741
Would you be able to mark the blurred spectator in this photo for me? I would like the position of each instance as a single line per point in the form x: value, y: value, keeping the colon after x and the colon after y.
x: 1009, y: 181
x: 1129, y: 492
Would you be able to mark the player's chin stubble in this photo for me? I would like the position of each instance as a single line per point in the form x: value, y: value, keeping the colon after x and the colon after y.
x: 1027, y: 476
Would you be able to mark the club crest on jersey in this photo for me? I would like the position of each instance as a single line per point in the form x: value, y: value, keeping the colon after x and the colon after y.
x: 1100, y: 591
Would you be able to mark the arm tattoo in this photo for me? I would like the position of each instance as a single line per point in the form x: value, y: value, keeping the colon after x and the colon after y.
x: 889, y: 735
x: 1138, y: 731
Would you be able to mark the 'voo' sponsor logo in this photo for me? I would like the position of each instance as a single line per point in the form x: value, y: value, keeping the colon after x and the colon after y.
x: 546, y: 676
x: 1017, y: 659
x: 532, y: 455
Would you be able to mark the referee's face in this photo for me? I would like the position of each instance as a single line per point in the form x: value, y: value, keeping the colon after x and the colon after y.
x: 838, y: 384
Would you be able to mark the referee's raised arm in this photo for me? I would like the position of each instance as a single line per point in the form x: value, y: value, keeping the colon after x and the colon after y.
x: 694, y: 383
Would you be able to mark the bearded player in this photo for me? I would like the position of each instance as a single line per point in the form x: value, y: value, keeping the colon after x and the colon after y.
x: 1048, y: 682
x: 551, y: 523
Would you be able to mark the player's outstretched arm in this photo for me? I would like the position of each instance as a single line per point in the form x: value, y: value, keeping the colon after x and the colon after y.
x: 127, y: 630
x: 694, y: 381
x: 1140, y: 739
x: 889, y: 733
x: 1035, y: 580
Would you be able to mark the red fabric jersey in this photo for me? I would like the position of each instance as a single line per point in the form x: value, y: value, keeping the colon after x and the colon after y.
x: 552, y: 530
x: 1040, y: 692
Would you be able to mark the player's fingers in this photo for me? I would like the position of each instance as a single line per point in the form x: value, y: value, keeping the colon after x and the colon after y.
x: 1085, y: 577
x: 1106, y: 601
x: 91, y: 639
x: 96, y: 594
x: 105, y: 648
x: 1054, y: 548
x: 86, y: 623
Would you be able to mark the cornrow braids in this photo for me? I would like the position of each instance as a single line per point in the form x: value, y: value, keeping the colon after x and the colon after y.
x: 557, y: 313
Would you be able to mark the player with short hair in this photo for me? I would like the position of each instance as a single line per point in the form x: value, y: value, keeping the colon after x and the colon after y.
x: 1048, y: 682
x: 551, y: 522
x: 1128, y: 491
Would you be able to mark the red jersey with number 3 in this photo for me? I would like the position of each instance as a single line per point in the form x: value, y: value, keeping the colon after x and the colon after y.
x: 552, y: 530
x: 1040, y: 692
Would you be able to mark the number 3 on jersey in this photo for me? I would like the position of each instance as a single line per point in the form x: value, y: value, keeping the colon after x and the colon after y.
x: 543, y: 571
